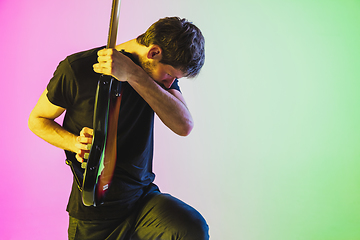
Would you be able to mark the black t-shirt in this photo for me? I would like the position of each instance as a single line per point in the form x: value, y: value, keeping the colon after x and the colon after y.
x: 73, y: 87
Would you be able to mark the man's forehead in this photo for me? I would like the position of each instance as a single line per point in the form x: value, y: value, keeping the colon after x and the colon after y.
x: 176, y: 72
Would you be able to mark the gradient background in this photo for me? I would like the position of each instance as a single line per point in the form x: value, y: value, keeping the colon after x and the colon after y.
x: 275, y: 150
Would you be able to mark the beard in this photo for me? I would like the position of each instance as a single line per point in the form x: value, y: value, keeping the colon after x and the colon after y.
x: 147, y: 66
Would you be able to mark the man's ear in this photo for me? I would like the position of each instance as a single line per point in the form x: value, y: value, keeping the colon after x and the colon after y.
x: 154, y: 53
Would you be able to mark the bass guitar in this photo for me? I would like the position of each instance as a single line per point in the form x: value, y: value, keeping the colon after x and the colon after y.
x: 100, y: 164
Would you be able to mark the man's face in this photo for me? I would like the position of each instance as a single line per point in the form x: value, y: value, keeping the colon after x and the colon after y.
x: 163, y: 74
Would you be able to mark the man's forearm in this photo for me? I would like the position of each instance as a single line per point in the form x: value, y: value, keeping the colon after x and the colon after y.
x: 53, y: 133
x: 171, y: 110
x: 168, y: 105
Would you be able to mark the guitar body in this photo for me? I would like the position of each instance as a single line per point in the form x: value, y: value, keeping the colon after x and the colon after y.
x: 100, y: 165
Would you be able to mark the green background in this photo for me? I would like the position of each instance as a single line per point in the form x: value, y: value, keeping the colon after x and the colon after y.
x: 275, y: 149
x: 274, y: 154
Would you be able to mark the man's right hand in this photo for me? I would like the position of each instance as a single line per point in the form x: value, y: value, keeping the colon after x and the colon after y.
x: 83, y: 144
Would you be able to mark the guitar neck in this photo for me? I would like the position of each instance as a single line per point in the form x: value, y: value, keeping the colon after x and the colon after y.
x: 114, y: 23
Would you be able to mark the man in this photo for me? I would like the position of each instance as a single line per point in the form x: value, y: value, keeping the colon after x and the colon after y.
x: 149, y: 67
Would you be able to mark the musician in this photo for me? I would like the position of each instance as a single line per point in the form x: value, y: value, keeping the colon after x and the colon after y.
x: 149, y: 68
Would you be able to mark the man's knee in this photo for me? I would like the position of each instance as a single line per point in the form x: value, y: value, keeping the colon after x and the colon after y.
x: 196, y: 228
x: 186, y: 221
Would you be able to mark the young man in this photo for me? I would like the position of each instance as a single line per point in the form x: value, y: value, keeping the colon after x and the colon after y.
x: 149, y: 67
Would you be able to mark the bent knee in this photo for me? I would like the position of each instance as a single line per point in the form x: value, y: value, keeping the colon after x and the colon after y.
x: 196, y: 228
x: 190, y: 224
x: 174, y: 218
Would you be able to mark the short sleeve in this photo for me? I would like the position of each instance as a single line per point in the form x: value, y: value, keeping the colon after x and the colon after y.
x: 62, y: 86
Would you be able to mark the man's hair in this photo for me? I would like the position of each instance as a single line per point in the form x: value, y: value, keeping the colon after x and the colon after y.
x: 181, y: 42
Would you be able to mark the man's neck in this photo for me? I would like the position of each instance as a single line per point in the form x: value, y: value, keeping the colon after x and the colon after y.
x: 136, y: 49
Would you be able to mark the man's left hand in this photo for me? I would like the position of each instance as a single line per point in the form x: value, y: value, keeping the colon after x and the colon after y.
x: 113, y: 63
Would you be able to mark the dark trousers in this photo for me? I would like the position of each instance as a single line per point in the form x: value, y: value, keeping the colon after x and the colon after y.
x: 161, y: 217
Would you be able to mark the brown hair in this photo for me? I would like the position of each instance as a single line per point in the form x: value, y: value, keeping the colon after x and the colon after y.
x: 181, y: 42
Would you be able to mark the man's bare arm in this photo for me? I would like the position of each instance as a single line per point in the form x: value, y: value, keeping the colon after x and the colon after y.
x: 41, y: 122
x: 169, y: 105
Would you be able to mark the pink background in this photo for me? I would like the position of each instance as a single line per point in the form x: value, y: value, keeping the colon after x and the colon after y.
x: 35, y: 37
x: 274, y: 154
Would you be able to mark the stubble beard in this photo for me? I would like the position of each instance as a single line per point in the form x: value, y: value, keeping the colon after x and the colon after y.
x: 147, y: 67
